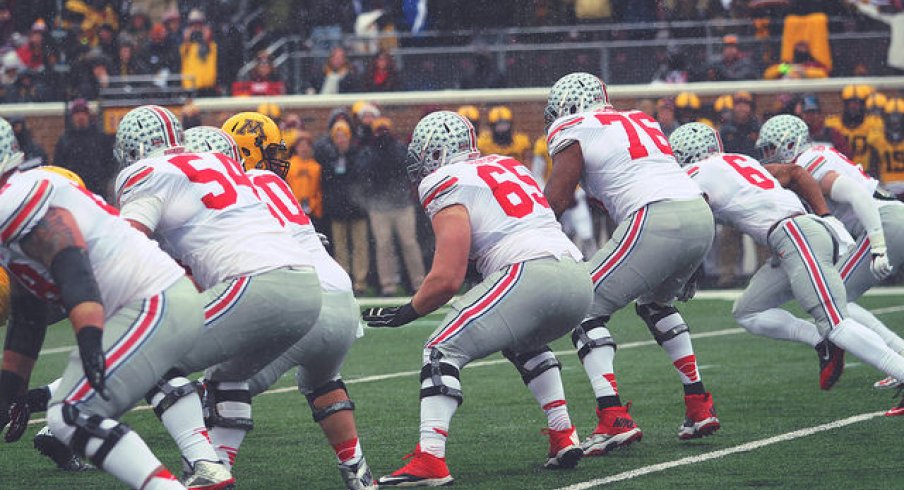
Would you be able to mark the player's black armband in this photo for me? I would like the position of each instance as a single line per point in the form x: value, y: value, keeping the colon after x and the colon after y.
x: 71, y: 271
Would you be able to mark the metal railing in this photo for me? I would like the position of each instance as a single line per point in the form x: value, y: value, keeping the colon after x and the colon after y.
x: 532, y: 65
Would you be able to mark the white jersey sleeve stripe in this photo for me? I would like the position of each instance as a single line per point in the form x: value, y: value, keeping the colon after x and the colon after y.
x: 19, y: 220
x: 439, y: 189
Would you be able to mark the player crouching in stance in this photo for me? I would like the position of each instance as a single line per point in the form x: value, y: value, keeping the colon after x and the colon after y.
x: 262, y: 291
x: 623, y: 160
x: 867, y: 212
x: 134, y: 313
x: 321, y: 353
x: 743, y: 194
x: 491, y: 210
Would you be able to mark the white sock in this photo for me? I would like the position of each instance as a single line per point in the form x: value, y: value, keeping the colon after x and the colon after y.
x: 184, y: 421
x: 867, y: 319
x: 547, y: 389
x: 779, y: 324
x: 598, y: 364
x: 436, y: 415
x: 163, y: 480
x: 679, y: 348
x: 867, y: 346
x: 227, y: 440
x: 54, y: 386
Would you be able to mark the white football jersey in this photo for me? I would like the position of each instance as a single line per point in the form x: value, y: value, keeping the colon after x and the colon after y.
x: 628, y: 162
x: 510, y: 219
x: 743, y: 194
x: 820, y: 160
x: 126, y: 264
x: 207, y: 214
x: 277, y: 194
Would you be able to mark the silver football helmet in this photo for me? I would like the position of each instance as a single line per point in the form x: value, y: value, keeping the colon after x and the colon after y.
x: 440, y: 138
x: 146, y: 131
x: 693, y: 142
x: 208, y: 139
x: 782, y: 139
x: 573, y: 93
x: 10, y: 154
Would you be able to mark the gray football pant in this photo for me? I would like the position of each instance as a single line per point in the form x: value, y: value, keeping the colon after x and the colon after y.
x: 251, y: 320
x: 651, y: 255
x: 854, y: 267
x: 803, y: 249
x: 319, y: 354
x: 520, y: 309
x: 142, y: 341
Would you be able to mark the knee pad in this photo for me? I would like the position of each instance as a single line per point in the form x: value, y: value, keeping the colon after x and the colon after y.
x: 533, y: 364
x: 433, y: 382
x: 174, y: 386
x: 78, y: 430
x: 592, y: 334
x: 228, y: 404
x: 328, y: 387
x: 664, y: 321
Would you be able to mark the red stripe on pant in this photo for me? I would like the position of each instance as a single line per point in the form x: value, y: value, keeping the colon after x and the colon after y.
x: 484, y: 303
x: 621, y: 251
x: 145, y: 322
x: 813, y: 270
x: 854, y: 259
x: 230, y: 296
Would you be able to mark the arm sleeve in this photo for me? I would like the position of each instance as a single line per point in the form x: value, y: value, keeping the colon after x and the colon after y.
x: 848, y: 191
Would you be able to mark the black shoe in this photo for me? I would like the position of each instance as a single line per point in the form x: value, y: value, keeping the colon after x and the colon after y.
x: 831, y: 364
x: 60, y: 453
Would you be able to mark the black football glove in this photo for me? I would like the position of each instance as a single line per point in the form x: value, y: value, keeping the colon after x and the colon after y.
x: 93, y: 361
x: 393, y: 316
x: 13, y: 406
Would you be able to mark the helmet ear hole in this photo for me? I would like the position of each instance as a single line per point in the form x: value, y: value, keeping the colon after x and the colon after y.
x: 436, y: 155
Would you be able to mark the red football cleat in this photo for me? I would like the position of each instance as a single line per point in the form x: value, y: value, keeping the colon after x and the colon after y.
x: 615, y: 429
x: 564, y: 448
x: 700, y: 417
x: 423, y: 470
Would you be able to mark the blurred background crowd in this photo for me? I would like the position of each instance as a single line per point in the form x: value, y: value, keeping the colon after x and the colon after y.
x: 63, y: 49
x: 348, y: 172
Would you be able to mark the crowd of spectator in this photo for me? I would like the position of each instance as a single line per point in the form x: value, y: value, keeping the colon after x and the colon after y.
x: 53, y: 50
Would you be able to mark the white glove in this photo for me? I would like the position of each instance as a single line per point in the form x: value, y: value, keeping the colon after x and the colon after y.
x: 879, y: 266
x: 844, y: 239
x: 324, y: 240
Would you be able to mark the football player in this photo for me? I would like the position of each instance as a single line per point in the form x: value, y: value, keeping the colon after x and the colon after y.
x: 320, y: 354
x: 887, y: 148
x: 855, y: 124
x: 871, y: 215
x: 262, y: 291
x: 134, y: 314
x: 502, y: 139
x: 491, y: 210
x: 623, y: 161
x: 753, y: 199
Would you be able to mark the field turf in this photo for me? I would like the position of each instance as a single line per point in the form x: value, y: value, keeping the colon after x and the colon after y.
x: 762, y: 388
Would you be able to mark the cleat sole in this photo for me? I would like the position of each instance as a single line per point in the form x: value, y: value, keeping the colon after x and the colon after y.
x: 707, y: 429
x: 569, y: 459
x: 602, y: 448
x: 423, y: 482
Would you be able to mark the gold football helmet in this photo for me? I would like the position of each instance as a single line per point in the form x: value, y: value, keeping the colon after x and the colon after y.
x: 260, y: 142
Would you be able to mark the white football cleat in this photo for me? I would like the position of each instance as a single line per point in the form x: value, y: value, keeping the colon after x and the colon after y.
x: 357, y: 476
x: 889, y: 382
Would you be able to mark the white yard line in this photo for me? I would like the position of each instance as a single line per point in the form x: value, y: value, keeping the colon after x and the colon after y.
x: 491, y: 362
x: 749, y: 446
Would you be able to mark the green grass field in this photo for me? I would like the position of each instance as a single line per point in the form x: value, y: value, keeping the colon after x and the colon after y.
x: 762, y: 388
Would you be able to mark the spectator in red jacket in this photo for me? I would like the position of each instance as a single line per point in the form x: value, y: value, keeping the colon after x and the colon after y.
x: 32, y: 52
x: 382, y: 74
